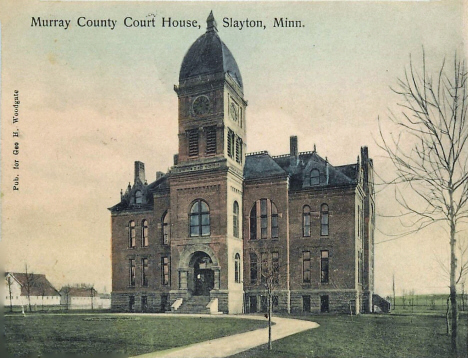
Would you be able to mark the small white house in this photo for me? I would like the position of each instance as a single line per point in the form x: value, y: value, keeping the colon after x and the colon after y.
x: 23, y: 289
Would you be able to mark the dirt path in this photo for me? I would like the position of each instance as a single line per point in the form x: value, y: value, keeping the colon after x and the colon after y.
x: 227, y: 346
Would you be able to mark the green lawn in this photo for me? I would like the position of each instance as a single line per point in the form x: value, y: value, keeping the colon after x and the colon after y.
x: 379, y: 336
x: 100, y: 334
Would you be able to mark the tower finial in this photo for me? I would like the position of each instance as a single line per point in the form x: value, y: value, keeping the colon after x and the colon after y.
x: 211, y: 23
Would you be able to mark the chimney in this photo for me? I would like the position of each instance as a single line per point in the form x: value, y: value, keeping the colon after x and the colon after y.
x: 139, y: 172
x: 364, y: 155
x: 293, y: 146
x: 176, y: 159
x: 159, y: 175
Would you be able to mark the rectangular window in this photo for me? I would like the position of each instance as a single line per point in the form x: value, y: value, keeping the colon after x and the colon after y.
x: 264, y: 267
x: 358, y: 220
x: 263, y: 219
x: 131, y: 303
x: 360, y: 268
x: 165, y: 270
x: 144, y: 272
x: 274, y: 226
x: 275, y: 266
x: 132, y: 272
x: 210, y: 140
x: 324, y: 266
x: 305, y: 303
x: 306, y: 266
x: 253, y: 304
x: 193, y: 143
x: 144, y: 303
x: 324, y: 224
x: 324, y: 304
x: 275, y: 301
x: 253, y: 269
x: 306, y: 224
x: 264, y: 303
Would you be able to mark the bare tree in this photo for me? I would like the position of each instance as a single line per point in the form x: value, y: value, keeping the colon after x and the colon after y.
x: 93, y: 294
x: 66, y: 291
x: 270, y: 279
x: 10, y: 294
x: 430, y: 155
x: 29, y: 285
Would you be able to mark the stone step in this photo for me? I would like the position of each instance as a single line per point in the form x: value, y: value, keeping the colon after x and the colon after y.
x: 196, y: 304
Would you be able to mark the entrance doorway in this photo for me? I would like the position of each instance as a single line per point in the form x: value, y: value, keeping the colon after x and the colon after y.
x: 203, y: 274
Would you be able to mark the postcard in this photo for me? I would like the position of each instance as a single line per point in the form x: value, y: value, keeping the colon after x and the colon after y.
x: 224, y: 159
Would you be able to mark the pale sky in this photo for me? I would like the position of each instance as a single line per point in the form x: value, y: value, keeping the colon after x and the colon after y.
x: 94, y: 100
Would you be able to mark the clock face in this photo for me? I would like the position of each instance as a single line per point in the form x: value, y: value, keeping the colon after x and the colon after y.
x: 234, y: 112
x: 201, y: 105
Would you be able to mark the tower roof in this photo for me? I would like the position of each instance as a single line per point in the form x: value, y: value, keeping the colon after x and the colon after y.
x: 208, y: 54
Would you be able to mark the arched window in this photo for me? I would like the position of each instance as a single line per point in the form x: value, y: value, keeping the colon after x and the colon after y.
x: 264, y: 225
x: 144, y: 233
x: 131, y: 234
x: 306, y: 221
x: 200, y: 219
x: 314, y: 177
x: 138, y: 197
x: 235, y: 219
x: 324, y: 220
x: 166, y: 228
x: 237, y: 268
x: 253, y: 268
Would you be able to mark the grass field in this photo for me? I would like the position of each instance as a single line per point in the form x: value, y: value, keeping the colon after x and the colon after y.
x: 379, y: 336
x: 425, y: 303
x: 101, y: 334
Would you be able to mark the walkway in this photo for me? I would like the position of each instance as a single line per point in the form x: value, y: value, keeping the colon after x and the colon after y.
x: 228, y: 346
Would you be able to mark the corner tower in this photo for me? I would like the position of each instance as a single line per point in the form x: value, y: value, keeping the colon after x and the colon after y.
x: 207, y: 177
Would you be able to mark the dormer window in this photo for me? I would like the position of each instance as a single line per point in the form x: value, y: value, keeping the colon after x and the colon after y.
x: 138, y: 197
x: 314, y: 177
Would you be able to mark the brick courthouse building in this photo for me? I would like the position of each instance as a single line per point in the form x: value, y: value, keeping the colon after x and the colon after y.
x: 212, y: 230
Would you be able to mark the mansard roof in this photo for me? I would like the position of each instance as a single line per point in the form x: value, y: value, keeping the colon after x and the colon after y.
x: 261, y: 165
x: 299, y: 168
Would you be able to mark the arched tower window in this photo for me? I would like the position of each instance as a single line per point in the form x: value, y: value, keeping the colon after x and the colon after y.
x: 131, y: 234
x: 199, y: 219
x: 144, y: 233
x: 138, y: 197
x: 324, y: 220
x: 235, y: 219
x: 306, y: 221
x: 314, y: 177
x: 264, y: 220
x: 253, y: 268
x: 166, y: 228
x: 237, y: 268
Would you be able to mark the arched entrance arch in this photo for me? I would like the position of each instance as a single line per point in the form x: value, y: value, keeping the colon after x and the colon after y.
x: 199, y: 270
x: 203, y: 274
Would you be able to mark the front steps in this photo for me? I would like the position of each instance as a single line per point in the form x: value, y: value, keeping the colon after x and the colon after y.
x: 195, y: 304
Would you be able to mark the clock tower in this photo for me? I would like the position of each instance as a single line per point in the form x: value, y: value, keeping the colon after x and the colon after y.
x: 207, y: 178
